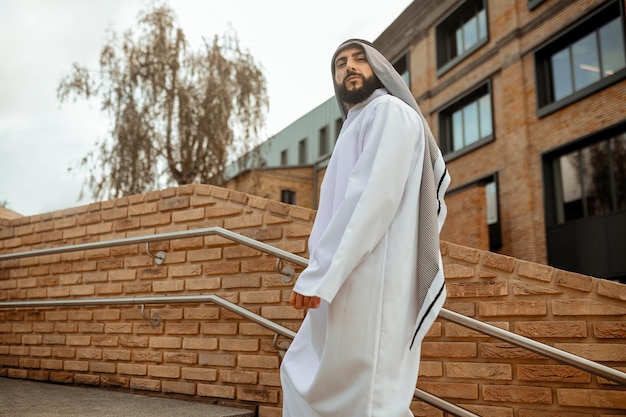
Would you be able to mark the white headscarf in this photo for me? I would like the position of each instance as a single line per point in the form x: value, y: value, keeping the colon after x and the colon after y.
x: 435, y: 180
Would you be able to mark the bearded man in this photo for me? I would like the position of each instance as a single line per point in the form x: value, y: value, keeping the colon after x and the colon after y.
x: 374, y: 284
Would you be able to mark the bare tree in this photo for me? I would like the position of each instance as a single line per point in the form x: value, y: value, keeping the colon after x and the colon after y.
x: 177, y: 115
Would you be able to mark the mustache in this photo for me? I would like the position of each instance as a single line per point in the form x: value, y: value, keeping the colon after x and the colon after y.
x: 350, y: 74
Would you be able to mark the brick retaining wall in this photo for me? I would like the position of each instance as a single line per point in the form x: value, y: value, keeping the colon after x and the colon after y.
x: 214, y: 355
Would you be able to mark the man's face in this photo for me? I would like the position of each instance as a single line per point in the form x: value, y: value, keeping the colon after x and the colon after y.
x: 354, y: 77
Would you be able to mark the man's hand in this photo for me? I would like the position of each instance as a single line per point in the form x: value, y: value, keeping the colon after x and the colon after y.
x: 299, y: 301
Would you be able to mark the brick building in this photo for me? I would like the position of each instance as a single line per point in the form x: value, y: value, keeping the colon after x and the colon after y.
x: 526, y: 98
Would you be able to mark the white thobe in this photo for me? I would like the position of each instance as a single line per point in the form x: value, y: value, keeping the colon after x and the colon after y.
x: 352, y: 355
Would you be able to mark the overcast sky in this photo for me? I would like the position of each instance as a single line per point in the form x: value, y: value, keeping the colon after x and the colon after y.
x: 40, y: 40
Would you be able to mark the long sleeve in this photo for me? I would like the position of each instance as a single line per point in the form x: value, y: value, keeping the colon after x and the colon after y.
x: 392, y: 140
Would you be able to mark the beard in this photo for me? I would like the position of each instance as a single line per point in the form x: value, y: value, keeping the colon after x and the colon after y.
x: 357, y: 95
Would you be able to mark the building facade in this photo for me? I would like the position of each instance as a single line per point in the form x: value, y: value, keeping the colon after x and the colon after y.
x: 290, y: 165
x: 527, y: 100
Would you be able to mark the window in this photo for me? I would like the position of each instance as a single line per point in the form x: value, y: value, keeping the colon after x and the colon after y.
x: 284, y: 161
x: 467, y: 123
x: 288, y: 196
x: 587, y: 58
x: 533, y: 4
x: 585, y: 198
x: 401, y: 66
x: 323, y: 141
x: 461, y: 33
x: 591, y: 181
x: 338, y: 125
x: 493, y: 215
x: 491, y: 195
x: 302, y: 156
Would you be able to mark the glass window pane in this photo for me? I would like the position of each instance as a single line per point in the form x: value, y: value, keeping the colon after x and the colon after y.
x: 561, y: 74
x: 612, y: 48
x: 405, y: 77
x: 492, y: 203
x: 470, y: 33
x: 571, y: 188
x: 458, y: 48
x: 586, y: 61
x: 470, y: 123
x: 596, y: 179
x: 484, y: 106
x: 618, y: 154
x: 457, y: 130
x: 482, y: 24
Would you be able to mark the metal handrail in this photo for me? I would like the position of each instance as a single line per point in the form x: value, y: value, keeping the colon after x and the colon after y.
x: 170, y: 299
x: 521, y: 341
x: 177, y: 299
x: 235, y: 237
x: 534, y: 346
x: 437, y: 402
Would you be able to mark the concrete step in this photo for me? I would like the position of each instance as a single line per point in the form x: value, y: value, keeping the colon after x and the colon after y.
x: 21, y: 398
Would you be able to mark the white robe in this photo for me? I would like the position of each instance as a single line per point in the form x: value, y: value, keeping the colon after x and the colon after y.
x: 352, y: 356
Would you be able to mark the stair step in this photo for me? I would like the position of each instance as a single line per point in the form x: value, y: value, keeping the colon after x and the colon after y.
x: 20, y: 397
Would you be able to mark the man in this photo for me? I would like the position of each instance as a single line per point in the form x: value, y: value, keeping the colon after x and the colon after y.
x: 374, y: 283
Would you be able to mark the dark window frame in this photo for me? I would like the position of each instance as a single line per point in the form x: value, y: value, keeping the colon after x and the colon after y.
x: 533, y: 4
x: 551, y: 200
x: 542, y: 55
x: 445, y: 34
x: 323, y: 137
x: 445, y: 122
x: 402, y: 66
x: 288, y: 196
x: 495, y: 228
x: 302, y: 152
x: 338, y: 126
x: 595, y: 239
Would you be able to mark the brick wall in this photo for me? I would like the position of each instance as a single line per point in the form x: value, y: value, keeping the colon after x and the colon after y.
x: 210, y: 354
x: 576, y: 313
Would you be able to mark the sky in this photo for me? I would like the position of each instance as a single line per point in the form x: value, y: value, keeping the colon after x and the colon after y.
x: 40, y: 138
